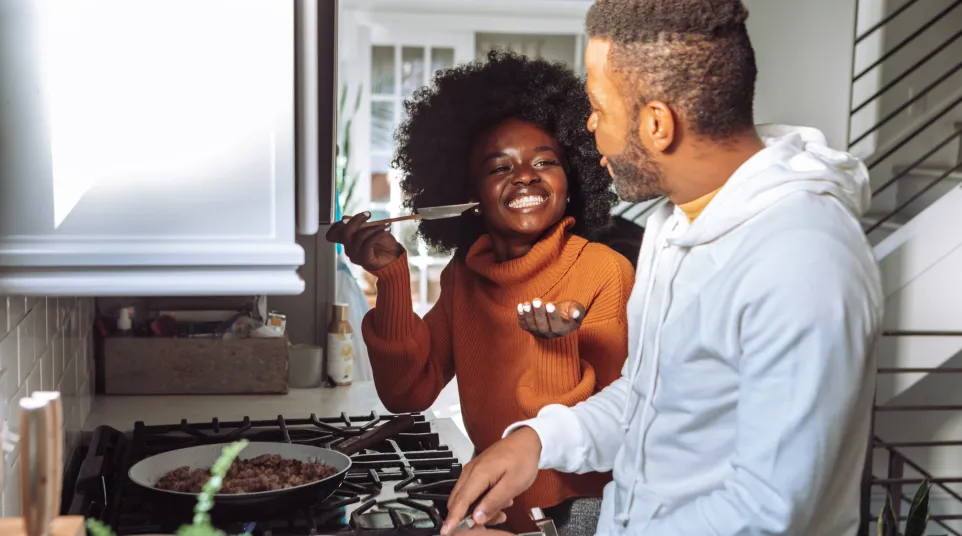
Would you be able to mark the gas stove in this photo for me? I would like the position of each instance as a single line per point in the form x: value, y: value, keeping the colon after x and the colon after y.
x: 399, y: 486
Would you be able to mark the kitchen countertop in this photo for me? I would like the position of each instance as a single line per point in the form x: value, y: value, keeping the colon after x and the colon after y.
x: 121, y: 412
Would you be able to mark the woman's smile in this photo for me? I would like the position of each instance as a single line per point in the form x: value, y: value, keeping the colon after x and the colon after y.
x: 527, y: 200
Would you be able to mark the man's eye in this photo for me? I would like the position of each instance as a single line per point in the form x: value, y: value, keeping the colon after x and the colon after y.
x: 499, y: 169
x: 547, y: 163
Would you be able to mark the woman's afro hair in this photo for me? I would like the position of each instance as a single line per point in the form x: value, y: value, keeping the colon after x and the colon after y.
x: 443, y: 121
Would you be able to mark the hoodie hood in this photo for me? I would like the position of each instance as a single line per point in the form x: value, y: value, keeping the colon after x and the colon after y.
x: 795, y: 159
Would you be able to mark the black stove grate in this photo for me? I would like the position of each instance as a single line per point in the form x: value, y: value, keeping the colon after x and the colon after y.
x: 400, y: 485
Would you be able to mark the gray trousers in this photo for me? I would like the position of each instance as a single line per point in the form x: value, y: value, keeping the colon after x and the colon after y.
x: 576, y: 517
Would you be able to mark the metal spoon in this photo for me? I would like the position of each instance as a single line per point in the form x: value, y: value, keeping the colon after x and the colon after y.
x: 427, y: 213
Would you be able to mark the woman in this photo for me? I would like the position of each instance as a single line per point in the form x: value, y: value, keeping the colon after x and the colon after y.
x: 530, y: 312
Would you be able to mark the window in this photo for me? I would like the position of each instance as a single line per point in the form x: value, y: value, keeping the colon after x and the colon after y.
x: 397, y: 71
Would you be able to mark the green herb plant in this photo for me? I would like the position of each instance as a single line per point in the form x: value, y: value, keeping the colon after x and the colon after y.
x: 201, y: 525
x: 919, y: 513
x: 344, y: 181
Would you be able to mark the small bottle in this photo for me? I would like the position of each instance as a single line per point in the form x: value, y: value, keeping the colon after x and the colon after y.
x: 340, y: 347
x: 124, y: 323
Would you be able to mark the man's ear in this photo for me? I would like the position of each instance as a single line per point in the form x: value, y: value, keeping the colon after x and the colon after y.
x: 657, y: 126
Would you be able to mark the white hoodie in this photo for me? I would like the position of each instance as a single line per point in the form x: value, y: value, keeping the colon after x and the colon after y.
x: 745, y: 404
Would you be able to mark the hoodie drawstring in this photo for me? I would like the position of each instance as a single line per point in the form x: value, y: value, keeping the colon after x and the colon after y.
x: 631, y: 407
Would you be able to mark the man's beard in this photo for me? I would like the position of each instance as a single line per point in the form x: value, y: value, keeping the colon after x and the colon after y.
x: 637, y: 177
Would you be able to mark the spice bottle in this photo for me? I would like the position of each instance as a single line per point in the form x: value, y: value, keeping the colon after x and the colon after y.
x: 124, y: 323
x: 340, y: 347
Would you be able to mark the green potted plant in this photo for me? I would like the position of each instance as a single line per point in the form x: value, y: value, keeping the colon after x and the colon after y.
x: 915, y: 524
x: 201, y: 525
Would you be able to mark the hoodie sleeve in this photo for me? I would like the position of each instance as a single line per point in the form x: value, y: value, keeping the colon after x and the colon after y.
x: 582, y: 439
x: 809, y: 318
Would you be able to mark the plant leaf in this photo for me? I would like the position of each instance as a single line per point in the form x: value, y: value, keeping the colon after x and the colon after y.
x: 346, y: 143
x: 345, y: 183
x: 357, y: 99
x: 97, y: 528
x: 888, y: 524
x: 349, y: 193
x: 342, y: 100
x: 919, y: 512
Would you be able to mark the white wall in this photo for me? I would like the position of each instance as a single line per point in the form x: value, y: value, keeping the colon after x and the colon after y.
x: 45, y: 344
x: 804, y: 53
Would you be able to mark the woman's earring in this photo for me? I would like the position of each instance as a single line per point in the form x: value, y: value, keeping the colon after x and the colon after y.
x: 569, y: 199
x: 477, y: 211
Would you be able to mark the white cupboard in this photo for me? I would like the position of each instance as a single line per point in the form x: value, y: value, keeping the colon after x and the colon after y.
x: 163, y: 147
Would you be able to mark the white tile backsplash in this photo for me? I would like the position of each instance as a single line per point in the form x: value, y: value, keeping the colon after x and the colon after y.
x: 45, y: 344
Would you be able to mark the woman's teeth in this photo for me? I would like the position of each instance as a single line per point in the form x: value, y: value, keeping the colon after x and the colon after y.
x: 527, y: 201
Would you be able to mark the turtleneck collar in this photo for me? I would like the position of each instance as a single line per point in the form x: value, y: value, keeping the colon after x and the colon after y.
x: 532, y: 275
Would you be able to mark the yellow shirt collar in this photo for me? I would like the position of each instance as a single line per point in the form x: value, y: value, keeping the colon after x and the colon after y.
x: 693, y: 209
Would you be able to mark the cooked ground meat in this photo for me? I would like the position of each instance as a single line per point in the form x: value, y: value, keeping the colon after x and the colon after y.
x: 264, y: 473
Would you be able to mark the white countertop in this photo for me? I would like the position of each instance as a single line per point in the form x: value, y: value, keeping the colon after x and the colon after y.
x: 121, y: 412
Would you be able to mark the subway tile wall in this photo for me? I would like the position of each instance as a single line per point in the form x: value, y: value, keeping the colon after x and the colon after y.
x: 45, y: 345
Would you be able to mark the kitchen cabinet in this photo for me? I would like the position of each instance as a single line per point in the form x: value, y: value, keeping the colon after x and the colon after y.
x: 163, y: 147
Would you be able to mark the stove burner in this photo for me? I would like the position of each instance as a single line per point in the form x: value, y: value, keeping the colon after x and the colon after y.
x: 400, y: 485
x: 381, y: 519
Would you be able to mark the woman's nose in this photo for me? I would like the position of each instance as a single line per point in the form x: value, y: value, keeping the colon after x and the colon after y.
x: 527, y: 178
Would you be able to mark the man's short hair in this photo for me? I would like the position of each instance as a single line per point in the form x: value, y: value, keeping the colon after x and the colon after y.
x: 694, y: 55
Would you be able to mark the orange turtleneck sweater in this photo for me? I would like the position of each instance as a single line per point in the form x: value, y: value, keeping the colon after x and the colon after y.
x: 505, y: 374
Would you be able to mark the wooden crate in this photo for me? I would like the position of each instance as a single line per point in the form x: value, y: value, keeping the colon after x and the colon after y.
x: 178, y: 366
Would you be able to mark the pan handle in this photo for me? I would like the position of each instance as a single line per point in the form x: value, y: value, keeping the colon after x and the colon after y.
x: 395, y: 426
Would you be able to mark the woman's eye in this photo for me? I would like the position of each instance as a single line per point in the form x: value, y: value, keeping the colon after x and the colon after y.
x: 547, y: 163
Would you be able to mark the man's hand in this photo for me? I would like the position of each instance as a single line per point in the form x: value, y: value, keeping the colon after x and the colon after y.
x: 504, y: 471
x: 550, y: 320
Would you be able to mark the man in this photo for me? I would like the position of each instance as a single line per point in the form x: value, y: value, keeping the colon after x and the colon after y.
x: 745, y: 403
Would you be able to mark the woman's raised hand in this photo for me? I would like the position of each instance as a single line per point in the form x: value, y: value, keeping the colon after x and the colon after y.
x: 371, y: 248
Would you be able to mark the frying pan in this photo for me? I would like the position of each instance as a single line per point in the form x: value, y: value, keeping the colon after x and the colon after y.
x: 246, y: 506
